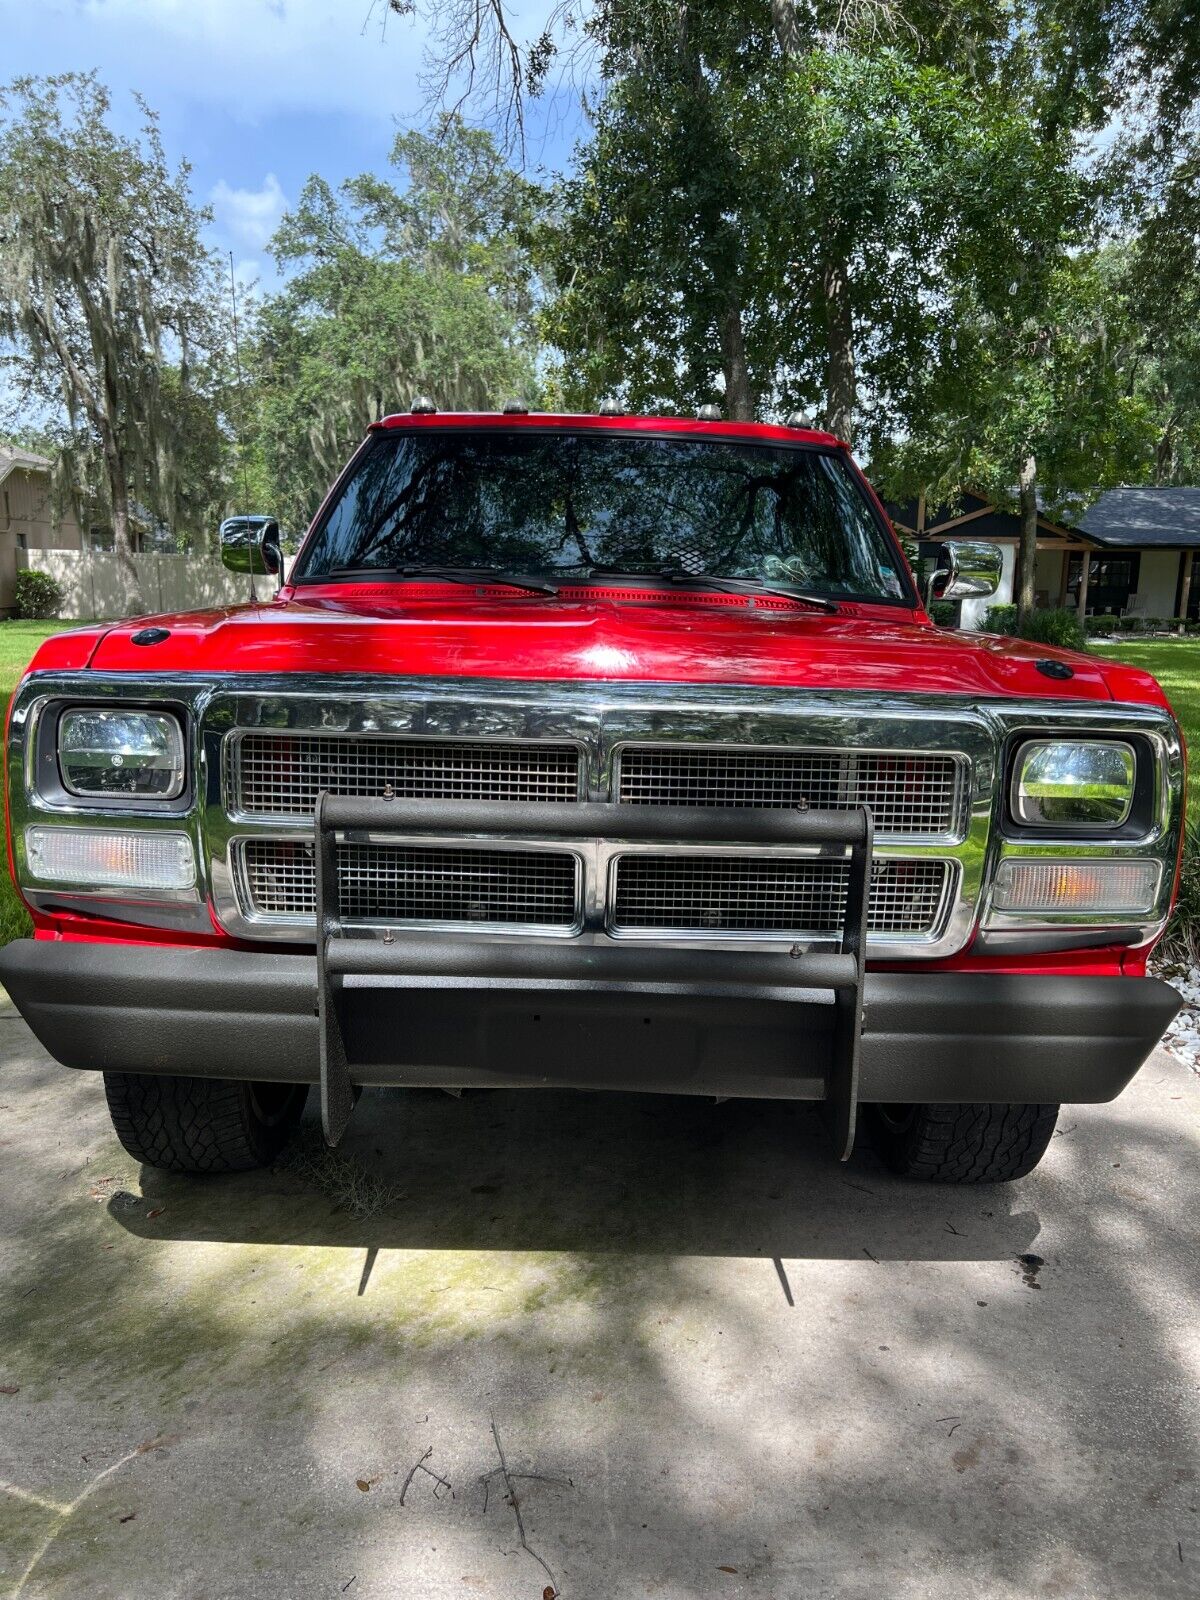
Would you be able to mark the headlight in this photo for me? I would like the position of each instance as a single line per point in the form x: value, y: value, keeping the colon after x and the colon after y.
x: 121, y: 754
x: 1073, y: 783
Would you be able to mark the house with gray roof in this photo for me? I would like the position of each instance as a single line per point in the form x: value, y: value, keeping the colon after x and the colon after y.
x: 1130, y: 554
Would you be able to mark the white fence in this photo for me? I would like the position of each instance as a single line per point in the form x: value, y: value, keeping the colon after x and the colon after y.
x: 94, y: 584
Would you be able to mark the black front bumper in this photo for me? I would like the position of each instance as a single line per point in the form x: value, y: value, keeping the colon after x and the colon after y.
x: 458, y: 1012
x: 470, y: 1014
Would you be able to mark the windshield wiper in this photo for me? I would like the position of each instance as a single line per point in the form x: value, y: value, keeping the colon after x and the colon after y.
x: 698, y: 580
x: 468, y: 575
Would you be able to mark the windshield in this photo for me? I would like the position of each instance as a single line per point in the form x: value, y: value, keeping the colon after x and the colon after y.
x: 534, y: 501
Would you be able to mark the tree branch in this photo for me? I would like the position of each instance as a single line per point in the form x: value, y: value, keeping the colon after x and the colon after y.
x: 79, y: 380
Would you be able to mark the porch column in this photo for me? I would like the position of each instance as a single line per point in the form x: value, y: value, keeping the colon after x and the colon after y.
x: 1085, y: 568
x: 1185, y: 584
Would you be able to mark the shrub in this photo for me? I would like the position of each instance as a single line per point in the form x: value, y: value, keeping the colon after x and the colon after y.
x: 1000, y: 619
x: 1181, y: 942
x: 37, y: 595
x: 944, y: 613
x: 1059, y: 627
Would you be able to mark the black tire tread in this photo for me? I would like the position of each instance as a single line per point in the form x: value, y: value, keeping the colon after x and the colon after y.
x: 967, y: 1143
x: 183, y: 1124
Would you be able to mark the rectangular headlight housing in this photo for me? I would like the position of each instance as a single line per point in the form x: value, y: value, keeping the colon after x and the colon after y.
x: 1077, y: 887
x: 1068, y: 784
x: 121, y: 754
x: 111, y: 858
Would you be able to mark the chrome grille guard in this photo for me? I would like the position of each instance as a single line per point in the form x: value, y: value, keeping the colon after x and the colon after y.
x: 792, y: 975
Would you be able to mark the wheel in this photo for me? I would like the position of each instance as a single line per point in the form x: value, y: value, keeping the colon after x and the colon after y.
x: 962, y: 1143
x: 202, y: 1124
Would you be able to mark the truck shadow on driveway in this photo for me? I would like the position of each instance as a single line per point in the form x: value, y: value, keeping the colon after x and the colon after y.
x: 620, y: 1285
x: 592, y: 1173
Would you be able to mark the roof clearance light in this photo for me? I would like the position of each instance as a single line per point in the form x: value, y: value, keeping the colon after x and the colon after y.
x: 1077, y: 888
x: 111, y: 858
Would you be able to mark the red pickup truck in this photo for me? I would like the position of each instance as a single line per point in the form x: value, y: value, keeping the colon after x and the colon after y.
x: 592, y: 752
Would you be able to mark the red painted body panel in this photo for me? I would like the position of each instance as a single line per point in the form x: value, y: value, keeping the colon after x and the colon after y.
x: 689, y: 427
x: 405, y: 630
x: 602, y: 632
x: 68, y: 652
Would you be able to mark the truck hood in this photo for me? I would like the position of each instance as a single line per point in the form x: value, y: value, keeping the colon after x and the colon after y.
x: 604, y: 635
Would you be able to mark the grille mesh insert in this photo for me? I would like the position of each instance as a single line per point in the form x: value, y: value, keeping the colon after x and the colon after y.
x: 416, y: 883
x: 764, y: 894
x: 908, y: 794
x: 281, y: 775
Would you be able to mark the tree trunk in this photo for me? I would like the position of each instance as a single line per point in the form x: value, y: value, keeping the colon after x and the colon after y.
x: 1084, y: 576
x: 839, y: 332
x: 1027, y: 559
x: 786, y: 23
x: 739, y: 392
x: 134, y: 600
x: 1164, y: 456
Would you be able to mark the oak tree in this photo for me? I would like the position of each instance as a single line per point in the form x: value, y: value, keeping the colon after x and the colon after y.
x: 109, y: 300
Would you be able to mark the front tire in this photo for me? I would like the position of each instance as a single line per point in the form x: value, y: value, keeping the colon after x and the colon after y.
x: 962, y: 1143
x: 202, y: 1124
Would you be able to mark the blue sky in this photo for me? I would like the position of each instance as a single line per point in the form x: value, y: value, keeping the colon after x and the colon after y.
x: 255, y: 93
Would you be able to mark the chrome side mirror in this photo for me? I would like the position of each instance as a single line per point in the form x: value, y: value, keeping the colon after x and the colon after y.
x: 966, y: 569
x: 251, y: 544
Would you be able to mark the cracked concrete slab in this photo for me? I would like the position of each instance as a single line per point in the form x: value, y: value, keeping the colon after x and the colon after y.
x: 703, y: 1358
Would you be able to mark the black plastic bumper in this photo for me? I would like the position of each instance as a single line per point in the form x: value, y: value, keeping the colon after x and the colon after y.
x: 626, y: 1019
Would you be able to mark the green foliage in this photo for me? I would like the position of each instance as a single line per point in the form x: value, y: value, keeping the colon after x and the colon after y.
x: 425, y: 290
x: 1042, y: 379
x: 944, y: 613
x: 1101, y: 626
x: 1181, y: 942
x: 718, y: 205
x: 1139, y: 625
x: 1158, y: 277
x: 1057, y: 626
x: 36, y: 595
x: 1000, y: 619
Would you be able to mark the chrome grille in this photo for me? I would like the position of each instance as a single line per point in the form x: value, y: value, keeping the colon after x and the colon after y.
x: 910, y: 794
x: 416, y: 883
x: 767, y: 894
x: 281, y: 775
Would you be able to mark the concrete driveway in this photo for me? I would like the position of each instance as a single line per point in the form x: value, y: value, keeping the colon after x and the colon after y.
x: 703, y: 1358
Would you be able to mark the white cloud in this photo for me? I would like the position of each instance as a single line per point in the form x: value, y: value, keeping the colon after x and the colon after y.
x: 249, y: 216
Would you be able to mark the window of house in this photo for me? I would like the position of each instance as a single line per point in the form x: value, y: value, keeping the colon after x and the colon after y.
x: 1111, y: 582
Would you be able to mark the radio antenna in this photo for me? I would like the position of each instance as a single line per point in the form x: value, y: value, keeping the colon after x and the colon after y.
x: 241, y: 394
